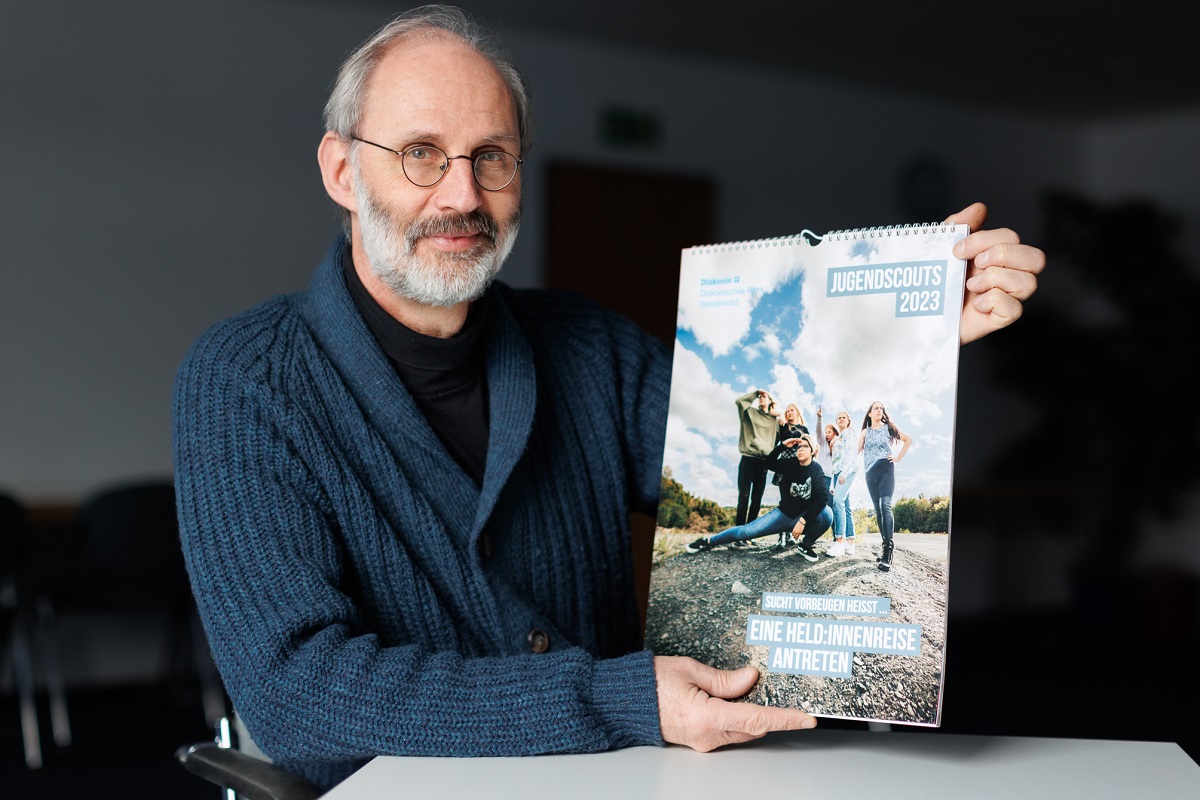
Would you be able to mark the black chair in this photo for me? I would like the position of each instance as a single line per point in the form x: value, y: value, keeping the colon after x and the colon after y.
x: 126, y: 558
x: 247, y: 777
x: 14, y: 612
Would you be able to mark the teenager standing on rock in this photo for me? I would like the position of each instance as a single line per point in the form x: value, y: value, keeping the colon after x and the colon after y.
x: 756, y: 438
x: 879, y: 435
x: 843, y: 456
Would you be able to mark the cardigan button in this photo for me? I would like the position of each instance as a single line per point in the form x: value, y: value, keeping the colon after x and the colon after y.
x: 539, y: 640
x: 485, y: 545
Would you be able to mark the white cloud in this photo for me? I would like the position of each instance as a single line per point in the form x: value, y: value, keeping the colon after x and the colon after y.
x: 729, y: 452
x: 716, y: 300
x: 771, y: 343
x: 697, y: 399
x: 702, y: 430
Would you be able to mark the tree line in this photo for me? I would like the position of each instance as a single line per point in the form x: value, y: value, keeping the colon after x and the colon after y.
x: 679, y: 509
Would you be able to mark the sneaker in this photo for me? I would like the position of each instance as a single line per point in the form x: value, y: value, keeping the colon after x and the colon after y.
x: 849, y: 547
x: 780, y: 546
x: 808, y: 553
x: 741, y: 544
x: 836, y: 550
x: 699, y: 546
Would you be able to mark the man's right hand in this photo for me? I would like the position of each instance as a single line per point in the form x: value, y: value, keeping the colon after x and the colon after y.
x: 694, y: 706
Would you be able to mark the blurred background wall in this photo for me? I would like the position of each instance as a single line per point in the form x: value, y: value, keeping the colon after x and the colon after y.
x: 159, y: 173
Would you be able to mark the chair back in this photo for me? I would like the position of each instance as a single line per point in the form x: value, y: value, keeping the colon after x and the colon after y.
x: 130, y: 539
x: 12, y: 537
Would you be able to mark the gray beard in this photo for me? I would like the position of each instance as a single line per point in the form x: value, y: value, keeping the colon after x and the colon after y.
x: 446, y: 279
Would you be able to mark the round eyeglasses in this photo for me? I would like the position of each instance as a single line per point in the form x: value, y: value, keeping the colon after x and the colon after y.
x: 425, y: 165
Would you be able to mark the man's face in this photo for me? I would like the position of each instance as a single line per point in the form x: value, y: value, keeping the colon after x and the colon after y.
x: 439, y: 245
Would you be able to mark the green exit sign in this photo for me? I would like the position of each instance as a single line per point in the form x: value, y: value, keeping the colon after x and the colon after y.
x: 622, y: 127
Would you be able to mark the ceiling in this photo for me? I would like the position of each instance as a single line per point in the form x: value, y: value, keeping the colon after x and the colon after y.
x: 1067, y: 60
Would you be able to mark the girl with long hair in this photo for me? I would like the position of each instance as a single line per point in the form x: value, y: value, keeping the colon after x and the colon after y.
x: 791, y: 425
x: 876, y: 442
x: 843, y: 470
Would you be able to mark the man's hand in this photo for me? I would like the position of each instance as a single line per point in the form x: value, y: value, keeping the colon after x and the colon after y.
x: 1001, y: 274
x: 694, y: 706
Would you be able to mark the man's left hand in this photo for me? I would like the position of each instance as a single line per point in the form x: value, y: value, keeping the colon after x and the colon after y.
x: 1001, y: 274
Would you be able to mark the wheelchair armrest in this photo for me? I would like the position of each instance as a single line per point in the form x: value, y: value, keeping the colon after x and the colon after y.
x: 250, y: 777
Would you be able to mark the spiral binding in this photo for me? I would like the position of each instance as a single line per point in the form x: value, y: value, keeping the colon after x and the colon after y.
x: 755, y: 244
x: 889, y: 230
x: 806, y: 236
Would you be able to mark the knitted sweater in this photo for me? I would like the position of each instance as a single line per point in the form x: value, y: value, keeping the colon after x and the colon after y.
x: 757, y: 428
x: 803, y: 491
x: 360, y: 593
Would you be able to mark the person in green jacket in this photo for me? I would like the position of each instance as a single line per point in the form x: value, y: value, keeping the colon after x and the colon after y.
x: 759, y: 421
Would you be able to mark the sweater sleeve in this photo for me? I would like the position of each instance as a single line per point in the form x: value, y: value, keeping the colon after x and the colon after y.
x: 314, y: 684
x: 644, y: 370
x: 820, y: 494
x: 777, y: 456
x: 745, y: 401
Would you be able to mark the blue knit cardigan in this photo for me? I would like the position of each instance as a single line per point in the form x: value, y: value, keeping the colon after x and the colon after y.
x: 334, y: 547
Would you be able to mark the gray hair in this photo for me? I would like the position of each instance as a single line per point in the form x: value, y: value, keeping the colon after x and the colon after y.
x: 343, y: 111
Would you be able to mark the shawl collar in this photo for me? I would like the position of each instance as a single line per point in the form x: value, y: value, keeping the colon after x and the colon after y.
x: 387, y: 403
x: 512, y: 401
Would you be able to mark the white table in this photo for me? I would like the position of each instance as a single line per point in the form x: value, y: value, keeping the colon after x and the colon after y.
x: 808, y: 764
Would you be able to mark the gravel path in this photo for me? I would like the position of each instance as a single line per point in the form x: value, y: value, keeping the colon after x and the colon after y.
x: 699, y: 604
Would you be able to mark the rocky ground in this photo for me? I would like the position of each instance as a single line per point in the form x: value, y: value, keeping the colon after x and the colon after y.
x: 699, y: 604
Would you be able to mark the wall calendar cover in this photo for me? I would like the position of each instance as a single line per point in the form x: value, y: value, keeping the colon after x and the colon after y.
x: 804, y: 521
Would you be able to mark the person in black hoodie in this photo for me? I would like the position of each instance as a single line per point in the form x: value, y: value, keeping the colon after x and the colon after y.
x: 803, y: 502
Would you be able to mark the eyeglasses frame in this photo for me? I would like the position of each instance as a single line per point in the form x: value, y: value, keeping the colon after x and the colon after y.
x: 449, y: 158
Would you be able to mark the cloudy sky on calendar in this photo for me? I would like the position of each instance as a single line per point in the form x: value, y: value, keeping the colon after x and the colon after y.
x: 758, y: 317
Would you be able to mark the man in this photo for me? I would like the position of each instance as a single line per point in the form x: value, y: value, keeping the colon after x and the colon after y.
x: 402, y: 535
x: 758, y: 426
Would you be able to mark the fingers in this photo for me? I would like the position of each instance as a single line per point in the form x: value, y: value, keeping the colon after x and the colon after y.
x: 724, y: 683
x: 692, y: 710
x: 1018, y: 282
x: 979, y: 241
x: 973, y: 215
x: 987, y: 312
x: 1001, y: 274
x: 1000, y: 308
x: 734, y: 723
x: 999, y: 248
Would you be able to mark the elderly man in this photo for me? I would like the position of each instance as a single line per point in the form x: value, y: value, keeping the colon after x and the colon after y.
x: 404, y: 494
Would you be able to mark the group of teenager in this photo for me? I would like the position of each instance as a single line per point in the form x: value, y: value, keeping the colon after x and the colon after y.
x: 814, y: 474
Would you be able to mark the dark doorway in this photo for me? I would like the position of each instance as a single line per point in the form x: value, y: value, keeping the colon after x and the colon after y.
x: 615, y: 235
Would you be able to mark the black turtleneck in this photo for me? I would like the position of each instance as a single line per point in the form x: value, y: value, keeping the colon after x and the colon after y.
x: 446, y: 377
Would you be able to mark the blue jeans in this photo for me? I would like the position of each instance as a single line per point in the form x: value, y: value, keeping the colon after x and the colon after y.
x: 881, y: 482
x: 774, y: 521
x: 843, y: 517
